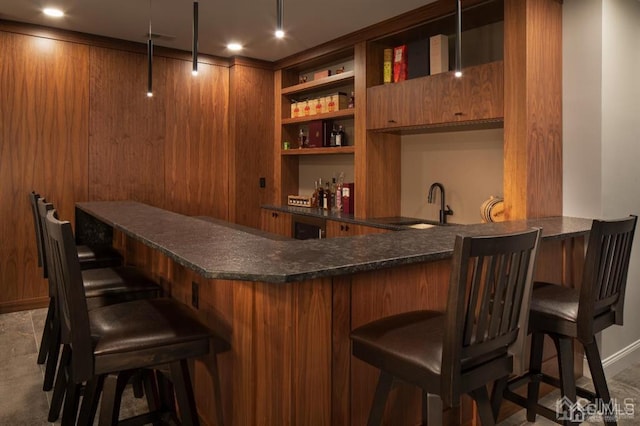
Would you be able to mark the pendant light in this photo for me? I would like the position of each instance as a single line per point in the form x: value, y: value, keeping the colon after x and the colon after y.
x: 149, y: 67
x: 280, y: 16
x: 458, y: 70
x: 194, y: 69
x: 149, y: 59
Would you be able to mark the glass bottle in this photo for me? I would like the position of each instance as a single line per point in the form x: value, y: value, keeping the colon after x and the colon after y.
x: 341, y: 137
x: 301, y: 139
x: 334, y: 134
x: 320, y: 194
x: 327, y: 198
x: 339, y: 192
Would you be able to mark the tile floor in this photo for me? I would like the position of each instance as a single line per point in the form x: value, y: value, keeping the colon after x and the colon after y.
x: 22, y: 401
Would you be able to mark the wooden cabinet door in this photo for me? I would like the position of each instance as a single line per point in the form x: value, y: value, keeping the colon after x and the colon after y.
x: 276, y: 222
x: 345, y: 229
x: 477, y: 95
x: 395, y: 105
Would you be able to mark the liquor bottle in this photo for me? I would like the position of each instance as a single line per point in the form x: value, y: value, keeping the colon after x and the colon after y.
x: 334, y: 134
x: 301, y: 139
x: 334, y: 197
x: 339, y: 192
x: 314, y: 196
x: 341, y: 137
x: 352, y: 100
x: 327, y: 198
x: 320, y: 194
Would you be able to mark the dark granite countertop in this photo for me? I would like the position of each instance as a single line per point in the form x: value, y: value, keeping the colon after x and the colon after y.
x: 222, y: 251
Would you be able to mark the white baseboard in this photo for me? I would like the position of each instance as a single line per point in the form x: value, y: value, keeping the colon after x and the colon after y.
x: 615, y: 363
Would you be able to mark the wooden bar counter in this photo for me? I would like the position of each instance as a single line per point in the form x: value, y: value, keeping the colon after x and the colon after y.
x: 287, y: 306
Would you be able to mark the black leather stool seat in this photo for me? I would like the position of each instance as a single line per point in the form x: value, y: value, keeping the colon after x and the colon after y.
x: 555, y: 301
x: 99, y: 282
x: 106, y: 286
x: 410, y: 343
x: 139, y: 325
x: 102, y: 257
x: 554, y: 309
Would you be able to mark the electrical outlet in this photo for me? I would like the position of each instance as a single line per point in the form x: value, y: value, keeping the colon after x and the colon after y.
x: 263, y: 182
x: 195, y: 294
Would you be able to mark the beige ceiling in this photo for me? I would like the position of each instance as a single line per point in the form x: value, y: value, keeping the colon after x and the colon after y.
x: 307, y: 23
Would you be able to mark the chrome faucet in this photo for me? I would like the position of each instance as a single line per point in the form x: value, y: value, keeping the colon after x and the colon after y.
x: 444, y: 212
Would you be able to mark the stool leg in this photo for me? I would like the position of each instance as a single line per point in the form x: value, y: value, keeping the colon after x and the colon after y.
x: 599, y: 379
x: 184, y: 392
x: 90, y: 400
x: 136, y: 384
x: 150, y: 384
x: 431, y: 409
x: 46, y: 333
x: 71, y: 402
x: 496, y: 395
x: 380, y: 398
x: 535, y: 368
x: 564, y: 346
x: 61, y: 384
x: 114, y: 385
x: 481, y: 396
x: 52, y: 357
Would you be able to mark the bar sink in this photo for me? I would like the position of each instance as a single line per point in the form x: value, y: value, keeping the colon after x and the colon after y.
x: 421, y: 226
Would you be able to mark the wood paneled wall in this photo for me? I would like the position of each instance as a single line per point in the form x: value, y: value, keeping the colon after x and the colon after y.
x: 251, y: 142
x: 76, y: 125
x: 532, y: 109
x: 44, y: 127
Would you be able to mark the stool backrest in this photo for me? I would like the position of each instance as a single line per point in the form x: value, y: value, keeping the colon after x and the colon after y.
x: 488, y: 303
x: 37, y: 224
x: 43, y: 209
x: 67, y: 276
x: 604, y: 278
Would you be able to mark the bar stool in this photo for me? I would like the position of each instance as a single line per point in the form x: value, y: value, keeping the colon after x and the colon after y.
x: 102, y: 286
x: 90, y: 258
x: 104, y: 345
x: 565, y: 314
x: 469, y: 346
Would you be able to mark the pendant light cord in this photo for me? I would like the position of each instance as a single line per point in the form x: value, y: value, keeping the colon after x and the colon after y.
x: 150, y: 58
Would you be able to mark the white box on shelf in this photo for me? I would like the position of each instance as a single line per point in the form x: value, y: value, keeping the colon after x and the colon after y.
x: 438, y: 54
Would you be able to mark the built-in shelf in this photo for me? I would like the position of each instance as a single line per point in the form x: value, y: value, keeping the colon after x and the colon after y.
x: 343, y: 113
x: 337, y: 80
x: 319, y: 151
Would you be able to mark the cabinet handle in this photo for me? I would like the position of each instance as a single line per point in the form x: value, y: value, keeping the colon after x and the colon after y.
x: 346, y: 227
x: 342, y: 227
x: 391, y: 121
x: 458, y: 113
x: 274, y: 214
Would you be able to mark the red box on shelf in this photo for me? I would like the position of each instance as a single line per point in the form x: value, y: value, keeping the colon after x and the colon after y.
x: 348, y: 197
x: 319, y: 133
x: 400, y: 63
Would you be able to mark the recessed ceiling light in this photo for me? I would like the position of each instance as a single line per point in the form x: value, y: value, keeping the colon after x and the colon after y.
x: 279, y: 33
x: 234, y: 46
x: 55, y: 13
